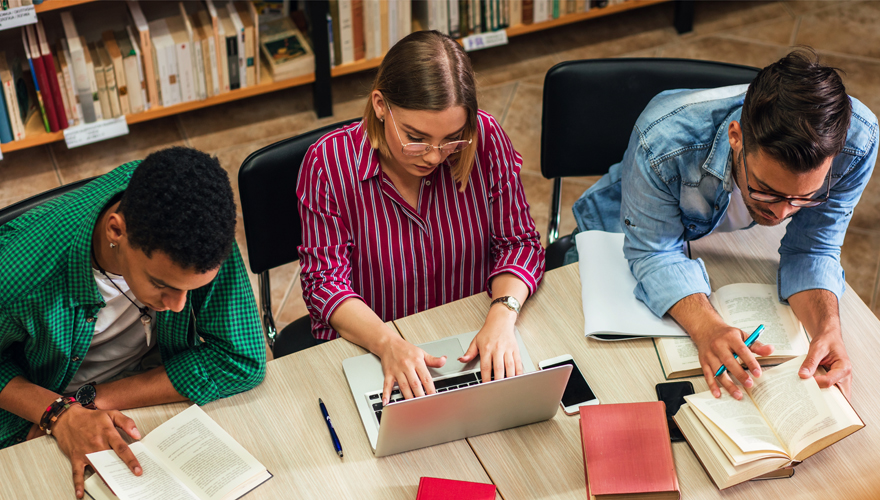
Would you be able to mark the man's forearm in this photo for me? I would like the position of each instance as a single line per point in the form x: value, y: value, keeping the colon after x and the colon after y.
x: 696, y: 315
x: 818, y: 310
x: 150, y: 388
x: 26, y: 399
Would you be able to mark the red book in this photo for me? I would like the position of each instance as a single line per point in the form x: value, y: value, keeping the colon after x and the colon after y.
x: 433, y: 488
x: 51, y: 76
x: 357, y: 28
x: 627, y: 452
x: 39, y: 69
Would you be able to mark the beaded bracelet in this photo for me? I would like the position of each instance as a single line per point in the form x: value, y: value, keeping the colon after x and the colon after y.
x: 53, y: 411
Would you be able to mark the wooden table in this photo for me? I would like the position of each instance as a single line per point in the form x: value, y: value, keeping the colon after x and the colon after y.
x: 280, y: 423
x: 545, y: 460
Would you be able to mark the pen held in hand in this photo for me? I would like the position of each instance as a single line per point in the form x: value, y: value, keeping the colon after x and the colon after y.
x: 336, y: 444
x: 749, y: 341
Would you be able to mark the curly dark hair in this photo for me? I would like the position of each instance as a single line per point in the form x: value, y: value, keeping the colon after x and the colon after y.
x: 179, y: 202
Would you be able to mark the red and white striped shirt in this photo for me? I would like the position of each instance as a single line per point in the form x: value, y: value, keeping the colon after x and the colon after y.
x: 362, y: 239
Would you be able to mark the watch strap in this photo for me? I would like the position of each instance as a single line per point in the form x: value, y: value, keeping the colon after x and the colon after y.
x: 508, y: 302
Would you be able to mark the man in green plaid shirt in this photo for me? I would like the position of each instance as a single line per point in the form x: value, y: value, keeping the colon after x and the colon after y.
x: 143, y: 256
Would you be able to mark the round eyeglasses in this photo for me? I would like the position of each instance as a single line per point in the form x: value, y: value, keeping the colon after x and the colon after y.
x: 421, y: 148
x: 795, y: 201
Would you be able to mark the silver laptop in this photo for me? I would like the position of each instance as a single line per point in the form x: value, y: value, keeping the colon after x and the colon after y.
x: 463, y: 406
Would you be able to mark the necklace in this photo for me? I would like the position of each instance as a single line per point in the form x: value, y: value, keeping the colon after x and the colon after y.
x: 145, y: 318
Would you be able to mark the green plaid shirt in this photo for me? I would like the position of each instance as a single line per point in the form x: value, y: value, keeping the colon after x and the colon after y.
x: 48, y: 299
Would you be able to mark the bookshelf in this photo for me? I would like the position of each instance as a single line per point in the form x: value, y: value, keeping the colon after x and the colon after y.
x: 324, y: 73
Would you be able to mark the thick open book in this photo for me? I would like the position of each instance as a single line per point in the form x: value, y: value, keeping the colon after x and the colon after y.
x: 189, y: 457
x: 745, y: 306
x: 782, y: 420
x: 611, y: 310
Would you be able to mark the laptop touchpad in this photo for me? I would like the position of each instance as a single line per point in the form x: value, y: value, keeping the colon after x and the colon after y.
x: 449, y: 347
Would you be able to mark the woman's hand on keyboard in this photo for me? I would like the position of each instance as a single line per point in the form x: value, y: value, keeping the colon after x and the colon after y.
x: 496, y: 345
x: 407, y: 365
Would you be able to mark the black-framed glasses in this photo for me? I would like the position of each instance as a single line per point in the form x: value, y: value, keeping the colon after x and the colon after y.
x: 421, y: 148
x: 795, y: 201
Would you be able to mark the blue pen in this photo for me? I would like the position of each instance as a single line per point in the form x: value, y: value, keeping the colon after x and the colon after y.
x: 749, y: 341
x: 336, y: 443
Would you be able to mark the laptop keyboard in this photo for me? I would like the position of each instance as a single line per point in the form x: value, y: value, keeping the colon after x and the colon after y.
x: 444, y: 385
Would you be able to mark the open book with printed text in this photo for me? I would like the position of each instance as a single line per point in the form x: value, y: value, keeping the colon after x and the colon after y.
x: 189, y: 457
x: 744, y: 306
x: 782, y: 420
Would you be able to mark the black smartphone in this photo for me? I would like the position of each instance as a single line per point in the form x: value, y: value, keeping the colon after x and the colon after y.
x: 673, y: 393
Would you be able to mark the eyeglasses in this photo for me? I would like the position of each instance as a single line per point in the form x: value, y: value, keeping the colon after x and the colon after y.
x: 795, y: 201
x: 421, y: 148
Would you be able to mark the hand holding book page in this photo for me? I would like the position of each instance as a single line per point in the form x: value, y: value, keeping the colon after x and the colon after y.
x: 187, y: 457
x: 744, y: 306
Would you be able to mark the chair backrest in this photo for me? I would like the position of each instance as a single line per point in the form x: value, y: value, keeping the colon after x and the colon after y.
x: 590, y: 106
x: 267, y: 185
x: 14, y: 210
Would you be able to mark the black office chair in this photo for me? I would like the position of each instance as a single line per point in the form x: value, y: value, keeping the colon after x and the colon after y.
x: 16, y: 209
x: 267, y: 185
x: 590, y: 108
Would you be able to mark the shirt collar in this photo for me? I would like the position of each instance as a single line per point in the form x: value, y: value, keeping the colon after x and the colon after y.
x: 718, y: 162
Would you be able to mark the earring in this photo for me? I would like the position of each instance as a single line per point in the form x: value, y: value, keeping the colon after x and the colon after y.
x: 382, y: 120
x: 112, y: 245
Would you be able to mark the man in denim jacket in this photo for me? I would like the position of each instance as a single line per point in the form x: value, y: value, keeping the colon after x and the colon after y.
x: 790, y: 145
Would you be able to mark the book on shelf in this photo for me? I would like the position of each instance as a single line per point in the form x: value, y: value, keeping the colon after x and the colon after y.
x: 63, y: 61
x: 184, y: 57
x: 48, y: 60
x: 188, y: 457
x: 79, y: 70
x: 145, y: 47
x: 197, y: 56
x: 220, y: 45
x: 134, y: 69
x: 286, y: 50
x: 39, y: 78
x: 8, y: 82
x: 251, y: 44
x: 241, y: 42
x: 528, y: 11
x: 110, y: 78
x: 202, y: 24
x: 782, y: 420
x: 343, y: 31
x: 97, y: 105
x: 5, y: 122
x: 375, y: 28
x: 100, y: 80
x: 627, y: 452
x: 118, y: 64
x: 744, y: 306
x: 165, y: 60
x: 230, y: 39
x: 62, y: 86
x: 435, y: 488
x: 454, y: 19
x: 357, y: 30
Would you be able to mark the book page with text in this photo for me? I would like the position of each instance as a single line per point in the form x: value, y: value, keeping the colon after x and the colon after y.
x: 793, y: 406
x: 739, y: 419
x: 747, y: 305
x: 202, y: 454
x: 156, y: 482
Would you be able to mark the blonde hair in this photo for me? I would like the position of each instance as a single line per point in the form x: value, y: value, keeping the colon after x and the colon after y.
x: 427, y: 71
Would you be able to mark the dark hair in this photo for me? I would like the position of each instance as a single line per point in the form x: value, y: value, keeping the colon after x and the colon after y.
x: 797, y: 111
x: 179, y: 202
x: 427, y: 70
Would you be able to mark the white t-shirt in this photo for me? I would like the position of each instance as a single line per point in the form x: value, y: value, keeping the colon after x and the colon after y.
x: 737, y: 216
x: 120, y: 339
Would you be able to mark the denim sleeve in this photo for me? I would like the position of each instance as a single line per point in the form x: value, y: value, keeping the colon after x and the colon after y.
x: 654, y: 244
x: 810, y: 250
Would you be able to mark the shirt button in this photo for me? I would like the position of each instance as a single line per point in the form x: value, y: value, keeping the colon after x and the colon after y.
x: 90, y: 320
x: 76, y: 358
x: 692, y: 227
x: 716, y: 207
x: 427, y: 183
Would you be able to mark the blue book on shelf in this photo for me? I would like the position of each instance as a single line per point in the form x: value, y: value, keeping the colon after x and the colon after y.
x: 5, y: 127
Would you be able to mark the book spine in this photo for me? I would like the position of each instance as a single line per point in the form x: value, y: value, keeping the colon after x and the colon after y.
x: 198, y: 64
x: 134, y: 87
x: 215, y: 76
x: 346, y: 31
x: 59, y: 76
x: 170, y: 54
x: 12, y: 108
x: 232, y: 62
x: 57, y: 101
x: 5, y: 123
x: 185, y: 72
x: 454, y: 19
x: 357, y: 30
x: 393, y: 20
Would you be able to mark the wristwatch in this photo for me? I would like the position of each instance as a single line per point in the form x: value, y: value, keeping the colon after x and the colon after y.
x: 85, y: 396
x: 508, y: 302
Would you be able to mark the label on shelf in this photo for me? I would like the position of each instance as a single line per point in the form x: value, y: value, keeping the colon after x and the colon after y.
x: 18, y: 16
x: 484, y: 40
x: 88, y: 133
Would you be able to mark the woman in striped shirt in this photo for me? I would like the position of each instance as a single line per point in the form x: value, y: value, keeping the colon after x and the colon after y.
x: 417, y: 205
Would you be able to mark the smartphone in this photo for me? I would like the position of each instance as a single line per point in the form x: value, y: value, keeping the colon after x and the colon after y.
x: 673, y: 393
x: 577, y: 391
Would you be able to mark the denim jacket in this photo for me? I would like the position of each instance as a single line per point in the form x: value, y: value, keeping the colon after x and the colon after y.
x: 674, y: 186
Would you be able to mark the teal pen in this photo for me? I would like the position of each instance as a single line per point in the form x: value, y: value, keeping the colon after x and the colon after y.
x: 749, y: 341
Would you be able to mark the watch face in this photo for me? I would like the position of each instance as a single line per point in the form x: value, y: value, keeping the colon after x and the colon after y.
x: 85, y: 395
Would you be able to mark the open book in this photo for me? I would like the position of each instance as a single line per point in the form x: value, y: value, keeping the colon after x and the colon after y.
x: 783, y: 420
x: 189, y: 457
x: 611, y: 310
x: 745, y: 306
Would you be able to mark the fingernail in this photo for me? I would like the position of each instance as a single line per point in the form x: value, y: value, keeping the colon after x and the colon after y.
x: 384, y: 401
x: 757, y: 372
x: 717, y: 394
x: 137, y: 471
x: 804, y: 371
x: 748, y: 383
x: 737, y: 395
x: 136, y: 432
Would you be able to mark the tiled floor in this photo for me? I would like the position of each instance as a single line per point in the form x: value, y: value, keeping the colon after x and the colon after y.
x: 846, y: 34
